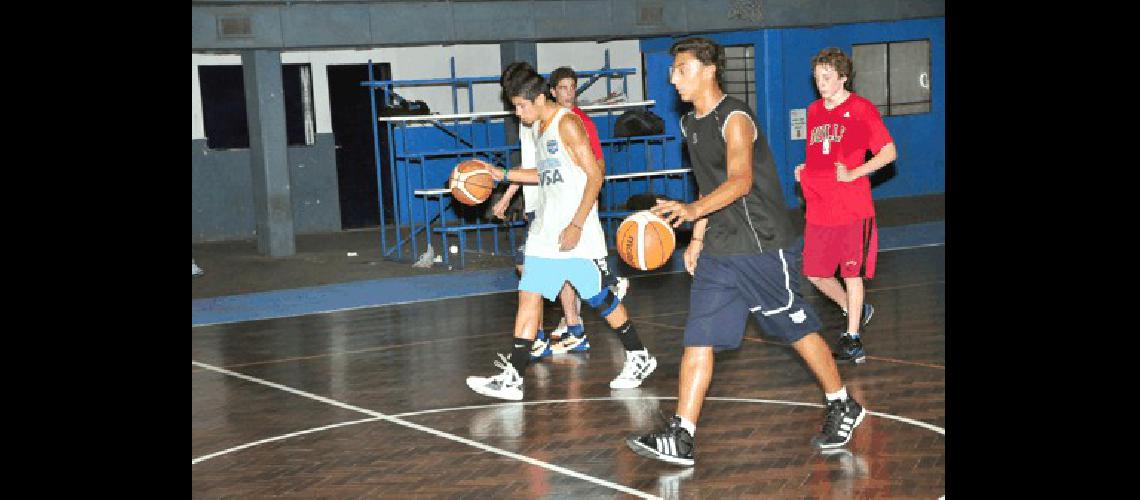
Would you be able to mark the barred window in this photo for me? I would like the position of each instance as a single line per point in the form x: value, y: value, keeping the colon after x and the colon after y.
x: 740, y: 73
x: 895, y: 76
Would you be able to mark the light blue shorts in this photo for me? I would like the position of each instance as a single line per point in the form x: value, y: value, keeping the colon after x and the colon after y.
x: 545, y: 276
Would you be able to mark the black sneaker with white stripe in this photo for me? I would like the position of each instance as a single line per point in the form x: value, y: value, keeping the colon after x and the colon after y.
x: 843, y: 416
x: 673, y: 445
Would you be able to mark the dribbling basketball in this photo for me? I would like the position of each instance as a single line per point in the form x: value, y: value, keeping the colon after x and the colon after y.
x: 645, y: 241
x: 471, y: 182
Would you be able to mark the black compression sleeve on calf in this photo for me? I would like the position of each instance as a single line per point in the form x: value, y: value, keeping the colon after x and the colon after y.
x: 628, y: 336
x: 520, y: 354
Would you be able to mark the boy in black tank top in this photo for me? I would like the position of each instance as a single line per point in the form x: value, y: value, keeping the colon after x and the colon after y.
x: 744, y: 256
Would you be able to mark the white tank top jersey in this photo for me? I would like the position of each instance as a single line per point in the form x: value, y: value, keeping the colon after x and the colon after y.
x: 561, y: 186
x: 528, y: 160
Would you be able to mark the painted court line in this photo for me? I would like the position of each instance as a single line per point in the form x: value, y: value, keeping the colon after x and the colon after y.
x: 906, y: 420
x: 429, y: 430
x: 203, y: 458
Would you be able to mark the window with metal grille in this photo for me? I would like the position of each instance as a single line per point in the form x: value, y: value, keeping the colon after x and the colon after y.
x: 895, y: 76
x: 740, y: 73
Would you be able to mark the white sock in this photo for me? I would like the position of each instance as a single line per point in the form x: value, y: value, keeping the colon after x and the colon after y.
x: 840, y: 394
x: 687, y: 425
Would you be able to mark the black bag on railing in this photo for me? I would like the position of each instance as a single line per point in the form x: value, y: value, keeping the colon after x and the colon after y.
x: 404, y: 107
x: 637, y: 122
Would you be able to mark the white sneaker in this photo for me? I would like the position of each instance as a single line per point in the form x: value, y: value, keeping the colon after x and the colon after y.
x: 195, y: 270
x: 638, y: 366
x: 506, y: 385
x: 621, y: 287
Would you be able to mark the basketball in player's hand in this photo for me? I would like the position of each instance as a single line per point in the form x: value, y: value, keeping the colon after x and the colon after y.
x: 645, y: 241
x: 471, y: 182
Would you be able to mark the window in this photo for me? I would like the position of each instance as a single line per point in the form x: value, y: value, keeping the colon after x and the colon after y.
x: 223, y: 106
x: 894, y: 75
x: 740, y: 74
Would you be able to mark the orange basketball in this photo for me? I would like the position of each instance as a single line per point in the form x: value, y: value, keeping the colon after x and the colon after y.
x: 645, y: 241
x: 471, y: 182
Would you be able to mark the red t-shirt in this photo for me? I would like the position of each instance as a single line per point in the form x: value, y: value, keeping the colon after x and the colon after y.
x: 591, y: 131
x: 843, y: 134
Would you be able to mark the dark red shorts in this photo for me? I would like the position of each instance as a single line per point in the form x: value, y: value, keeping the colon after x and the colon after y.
x: 852, y: 248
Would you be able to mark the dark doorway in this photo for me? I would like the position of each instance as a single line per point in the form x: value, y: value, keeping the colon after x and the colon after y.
x: 355, y: 157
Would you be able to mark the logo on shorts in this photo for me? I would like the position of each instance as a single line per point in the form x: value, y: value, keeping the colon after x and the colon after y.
x: 552, y: 146
x: 851, y: 263
x: 798, y: 316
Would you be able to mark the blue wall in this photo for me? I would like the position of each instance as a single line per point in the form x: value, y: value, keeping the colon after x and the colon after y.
x: 783, y: 77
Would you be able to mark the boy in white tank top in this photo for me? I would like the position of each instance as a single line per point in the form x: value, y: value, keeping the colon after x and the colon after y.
x: 565, y: 240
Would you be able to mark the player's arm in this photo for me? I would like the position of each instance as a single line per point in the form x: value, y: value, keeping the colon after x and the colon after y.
x: 885, y: 155
x: 879, y: 135
x: 696, y: 244
x: 574, y: 137
x: 515, y: 176
x: 500, y: 208
x: 739, y: 133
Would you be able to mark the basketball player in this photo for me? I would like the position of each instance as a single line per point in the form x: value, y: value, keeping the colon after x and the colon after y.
x: 840, y: 230
x: 565, y: 241
x: 542, y: 346
x: 565, y: 91
x: 744, y: 256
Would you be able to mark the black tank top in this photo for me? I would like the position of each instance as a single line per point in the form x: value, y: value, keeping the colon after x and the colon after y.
x: 757, y: 222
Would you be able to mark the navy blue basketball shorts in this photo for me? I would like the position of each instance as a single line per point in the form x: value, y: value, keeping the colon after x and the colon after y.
x: 727, y: 288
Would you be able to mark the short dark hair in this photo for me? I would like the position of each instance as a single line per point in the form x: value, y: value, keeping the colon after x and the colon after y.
x: 521, y: 80
x: 834, y: 57
x: 705, y: 50
x: 562, y: 74
x: 514, y: 69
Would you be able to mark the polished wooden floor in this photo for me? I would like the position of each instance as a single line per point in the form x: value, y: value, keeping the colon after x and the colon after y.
x: 372, y: 403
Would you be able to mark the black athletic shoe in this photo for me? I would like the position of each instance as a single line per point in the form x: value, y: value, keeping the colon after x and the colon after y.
x: 850, y: 349
x: 673, y: 445
x: 842, y: 419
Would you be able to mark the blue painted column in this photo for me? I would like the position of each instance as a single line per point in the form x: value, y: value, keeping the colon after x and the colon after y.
x: 269, y: 161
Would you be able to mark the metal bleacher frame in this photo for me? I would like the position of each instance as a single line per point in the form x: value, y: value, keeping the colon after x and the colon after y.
x: 404, y: 159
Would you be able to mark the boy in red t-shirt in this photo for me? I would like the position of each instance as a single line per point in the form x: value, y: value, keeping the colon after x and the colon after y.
x: 841, y: 230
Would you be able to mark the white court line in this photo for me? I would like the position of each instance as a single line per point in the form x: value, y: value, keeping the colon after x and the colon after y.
x: 429, y: 430
x: 888, y: 416
x: 203, y: 458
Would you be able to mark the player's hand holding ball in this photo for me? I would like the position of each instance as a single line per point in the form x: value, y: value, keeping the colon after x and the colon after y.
x: 678, y: 213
